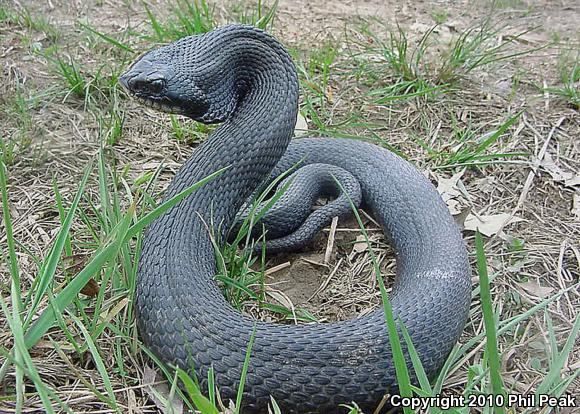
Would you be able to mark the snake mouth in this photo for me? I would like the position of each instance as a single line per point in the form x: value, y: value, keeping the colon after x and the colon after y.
x: 168, y: 103
x: 158, y: 103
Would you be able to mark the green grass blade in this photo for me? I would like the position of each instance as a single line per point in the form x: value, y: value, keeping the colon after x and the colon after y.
x: 61, y: 215
x: 492, y: 352
x: 211, y: 385
x: 100, y: 365
x: 13, y: 262
x: 419, y: 92
x: 201, y: 403
x: 22, y: 351
x: 498, y: 133
x: 259, y: 209
x: 47, y: 271
x: 553, y: 376
x: 162, y: 208
x: 245, y: 370
x: 69, y: 293
x: 268, y: 18
x: 171, y: 396
x: 559, y: 388
x: 470, y: 154
x: 416, y: 361
x: 505, y: 326
x: 298, y: 314
x: 169, y: 374
x: 402, y: 373
x: 104, y: 197
x: 401, y: 370
x: 228, y: 281
x: 120, y: 235
x: 275, y: 407
x: 157, y: 28
x: 15, y: 286
x: 108, y: 39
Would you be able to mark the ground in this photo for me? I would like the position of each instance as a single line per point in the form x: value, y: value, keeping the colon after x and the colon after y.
x: 482, y: 96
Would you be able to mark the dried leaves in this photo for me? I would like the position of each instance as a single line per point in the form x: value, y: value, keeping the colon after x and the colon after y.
x: 558, y: 174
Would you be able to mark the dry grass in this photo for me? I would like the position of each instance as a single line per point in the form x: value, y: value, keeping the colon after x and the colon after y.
x: 50, y: 135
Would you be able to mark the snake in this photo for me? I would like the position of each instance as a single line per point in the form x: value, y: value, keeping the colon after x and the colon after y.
x: 244, y: 79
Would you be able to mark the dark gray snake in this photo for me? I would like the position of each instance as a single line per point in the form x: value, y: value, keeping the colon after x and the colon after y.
x: 244, y: 78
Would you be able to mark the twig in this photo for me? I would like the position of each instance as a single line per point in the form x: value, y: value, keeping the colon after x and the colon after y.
x: 330, y: 243
x: 276, y: 268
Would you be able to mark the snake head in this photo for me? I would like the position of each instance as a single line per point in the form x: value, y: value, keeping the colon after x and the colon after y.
x: 188, y: 77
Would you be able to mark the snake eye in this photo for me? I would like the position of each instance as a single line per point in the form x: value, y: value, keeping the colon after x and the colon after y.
x: 156, y: 86
x: 141, y: 85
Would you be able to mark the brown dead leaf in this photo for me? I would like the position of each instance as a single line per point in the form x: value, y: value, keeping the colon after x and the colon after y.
x: 360, y: 244
x: 301, y: 127
x: 329, y: 95
x: 461, y: 217
x: 576, y: 205
x: 75, y: 263
x: 558, y: 174
x: 489, y: 225
x: 159, y: 392
x: 486, y: 184
x: 91, y: 288
x: 536, y: 290
x: 449, y: 191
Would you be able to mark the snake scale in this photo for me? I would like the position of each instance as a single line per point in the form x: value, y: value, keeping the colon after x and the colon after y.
x: 243, y: 78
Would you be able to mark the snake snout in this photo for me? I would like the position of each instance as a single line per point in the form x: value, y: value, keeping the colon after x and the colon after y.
x: 145, y: 86
x: 144, y: 79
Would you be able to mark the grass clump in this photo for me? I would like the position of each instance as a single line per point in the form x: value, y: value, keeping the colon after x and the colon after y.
x: 317, y: 73
x: 470, y: 147
x: 261, y: 16
x: 191, y: 132
x: 569, y: 71
x: 70, y: 73
x: 477, y: 47
x: 439, y: 16
x: 187, y: 18
x: 314, y: 74
x: 24, y: 18
x: 237, y: 273
x: 19, y: 107
x: 419, y: 71
x: 96, y: 87
x: 406, y: 64
x: 55, y: 301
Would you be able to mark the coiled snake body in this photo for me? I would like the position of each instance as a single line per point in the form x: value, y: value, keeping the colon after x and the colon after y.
x: 244, y: 78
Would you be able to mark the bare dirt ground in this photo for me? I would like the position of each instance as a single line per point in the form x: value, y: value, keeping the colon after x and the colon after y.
x: 529, y: 205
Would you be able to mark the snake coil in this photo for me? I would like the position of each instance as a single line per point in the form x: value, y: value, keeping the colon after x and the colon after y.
x: 244, y: 78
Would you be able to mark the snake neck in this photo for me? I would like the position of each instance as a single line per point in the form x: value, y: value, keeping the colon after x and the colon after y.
x: 253, y: 138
